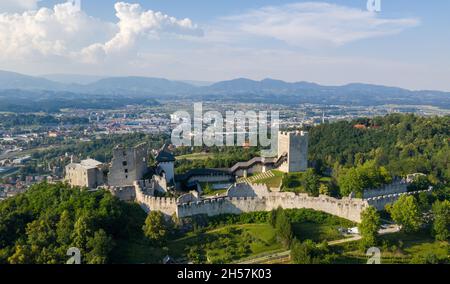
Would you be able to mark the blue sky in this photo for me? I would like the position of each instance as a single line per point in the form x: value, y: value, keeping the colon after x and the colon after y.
x: 332, y: 42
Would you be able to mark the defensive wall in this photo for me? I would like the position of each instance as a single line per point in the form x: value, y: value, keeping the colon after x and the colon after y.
x: 243, y: 197
x: 148, y: 202
x: 398, y: 186
x: 380, y: 202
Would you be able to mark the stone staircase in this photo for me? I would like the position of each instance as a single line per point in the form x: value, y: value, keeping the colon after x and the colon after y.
x: 254, y: 178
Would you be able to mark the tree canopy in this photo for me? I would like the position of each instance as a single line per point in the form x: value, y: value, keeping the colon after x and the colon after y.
x: 369, y: 226
x: 441, y: 223
x: 405, y: 212
x: 39, y: 226
x: 403, y: 144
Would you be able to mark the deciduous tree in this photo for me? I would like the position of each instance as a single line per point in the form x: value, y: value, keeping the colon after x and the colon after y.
x: 441, y: 223
x: 156, y: 227
x: 369, y: 226
x: 405, y: 212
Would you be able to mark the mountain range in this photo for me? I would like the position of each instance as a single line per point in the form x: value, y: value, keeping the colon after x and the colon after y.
x: 244, y: 90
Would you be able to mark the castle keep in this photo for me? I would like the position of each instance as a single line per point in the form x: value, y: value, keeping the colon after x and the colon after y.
x: 128, y: 165
x: 295, y: 146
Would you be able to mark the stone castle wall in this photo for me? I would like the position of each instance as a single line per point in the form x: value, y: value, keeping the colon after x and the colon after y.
x: 168, y: 206
x: 126, y: 193
x: 394, y: 188
x: 241, y: 199
x: 346, y: 208
x: 380, y: 202
x: 159, y: 183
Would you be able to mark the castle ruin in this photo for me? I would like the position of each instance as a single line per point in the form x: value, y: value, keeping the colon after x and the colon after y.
x: 129, y: 167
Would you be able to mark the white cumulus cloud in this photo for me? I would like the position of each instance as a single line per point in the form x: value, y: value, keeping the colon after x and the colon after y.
x: 49, y: 32
x: 66, y: 31
x: 135, y: 23
x: 310, y: 23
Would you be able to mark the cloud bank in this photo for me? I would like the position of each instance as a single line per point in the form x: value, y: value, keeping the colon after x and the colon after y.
x: 312, y: 23
x: 67, y: 31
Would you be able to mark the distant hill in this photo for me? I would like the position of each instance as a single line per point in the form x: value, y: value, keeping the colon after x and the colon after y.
x: 25, y: 101
x: 243, y: 85
x: 197, y: 83
x: 11, y: 80
x: 240, y: 90
x: 72, y: 78
x: 275, y: 91
x: 137, y: 85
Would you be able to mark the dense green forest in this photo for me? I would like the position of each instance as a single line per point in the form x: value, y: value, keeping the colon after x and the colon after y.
x: 42, y: 224
x: 403, y: 144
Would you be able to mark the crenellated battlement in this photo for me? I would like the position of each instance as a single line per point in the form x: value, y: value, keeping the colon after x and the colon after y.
x: 148, y: 202
x: 293, y: 133
x: 243, y: 198
x: 264, y: 200
x: 398, y: 186
x: 380, y: 202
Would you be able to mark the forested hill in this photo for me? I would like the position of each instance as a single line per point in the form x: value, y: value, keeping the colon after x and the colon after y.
x: 40, y: 225
x: 402, y: 143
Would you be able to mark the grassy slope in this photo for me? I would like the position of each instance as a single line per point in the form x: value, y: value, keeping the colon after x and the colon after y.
x: 316, y: 232
x: 272, y: 182
x: 260, y: 238
x: 414, y: 245
x: 263, y: 239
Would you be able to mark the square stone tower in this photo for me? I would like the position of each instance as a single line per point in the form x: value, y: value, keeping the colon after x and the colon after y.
x: 128, y: 165
x: 295, y: 146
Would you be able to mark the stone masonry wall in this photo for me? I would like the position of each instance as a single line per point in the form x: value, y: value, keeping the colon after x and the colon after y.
x: 168, y: 206
x: 127, y: 193
x: 265, y: 201
x: 127, y: 165
x: 380, y: 202
x: 251, y: 198
x: 346, y: 208
x: 394, y: 188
